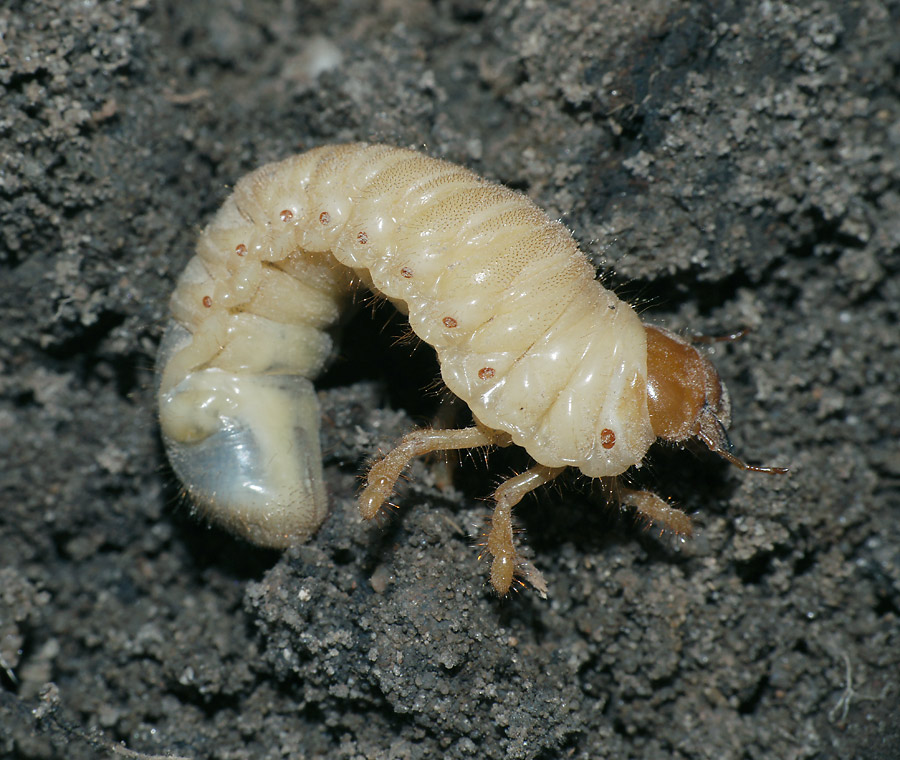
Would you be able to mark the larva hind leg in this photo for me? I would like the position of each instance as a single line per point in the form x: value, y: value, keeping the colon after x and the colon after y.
x: 655, y: 510
x: 383, y: 475
x: 500, y: 543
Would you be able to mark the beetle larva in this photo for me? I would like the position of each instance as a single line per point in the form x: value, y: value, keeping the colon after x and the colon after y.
x: 544, y: 356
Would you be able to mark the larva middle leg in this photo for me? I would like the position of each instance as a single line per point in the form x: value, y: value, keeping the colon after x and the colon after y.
x: 506, y: 562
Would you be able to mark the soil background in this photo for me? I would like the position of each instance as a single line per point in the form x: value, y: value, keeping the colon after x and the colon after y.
x: 724, y: 164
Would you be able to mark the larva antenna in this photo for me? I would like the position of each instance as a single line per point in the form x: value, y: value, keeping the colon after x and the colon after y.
x: 715, y: 436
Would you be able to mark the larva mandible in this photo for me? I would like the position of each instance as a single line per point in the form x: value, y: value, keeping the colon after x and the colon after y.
x: 544, y: 356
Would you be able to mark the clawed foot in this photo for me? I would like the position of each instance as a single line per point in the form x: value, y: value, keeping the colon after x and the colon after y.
x: 505, y: 570
x: 507, y: 565
x: 380, y: 484
x: 501, y: 546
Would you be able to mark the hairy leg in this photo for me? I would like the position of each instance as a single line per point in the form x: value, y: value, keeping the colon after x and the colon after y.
x: 500, y: 543
x: 655, y: 510
x: 383, y: 475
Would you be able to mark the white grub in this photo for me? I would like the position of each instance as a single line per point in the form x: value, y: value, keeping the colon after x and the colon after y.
x: 543, y: 355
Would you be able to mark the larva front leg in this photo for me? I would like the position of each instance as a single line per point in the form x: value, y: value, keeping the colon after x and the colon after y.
x: 655, y: 511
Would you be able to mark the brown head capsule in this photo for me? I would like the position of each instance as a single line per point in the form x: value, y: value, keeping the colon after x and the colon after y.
x: 686, y: 397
